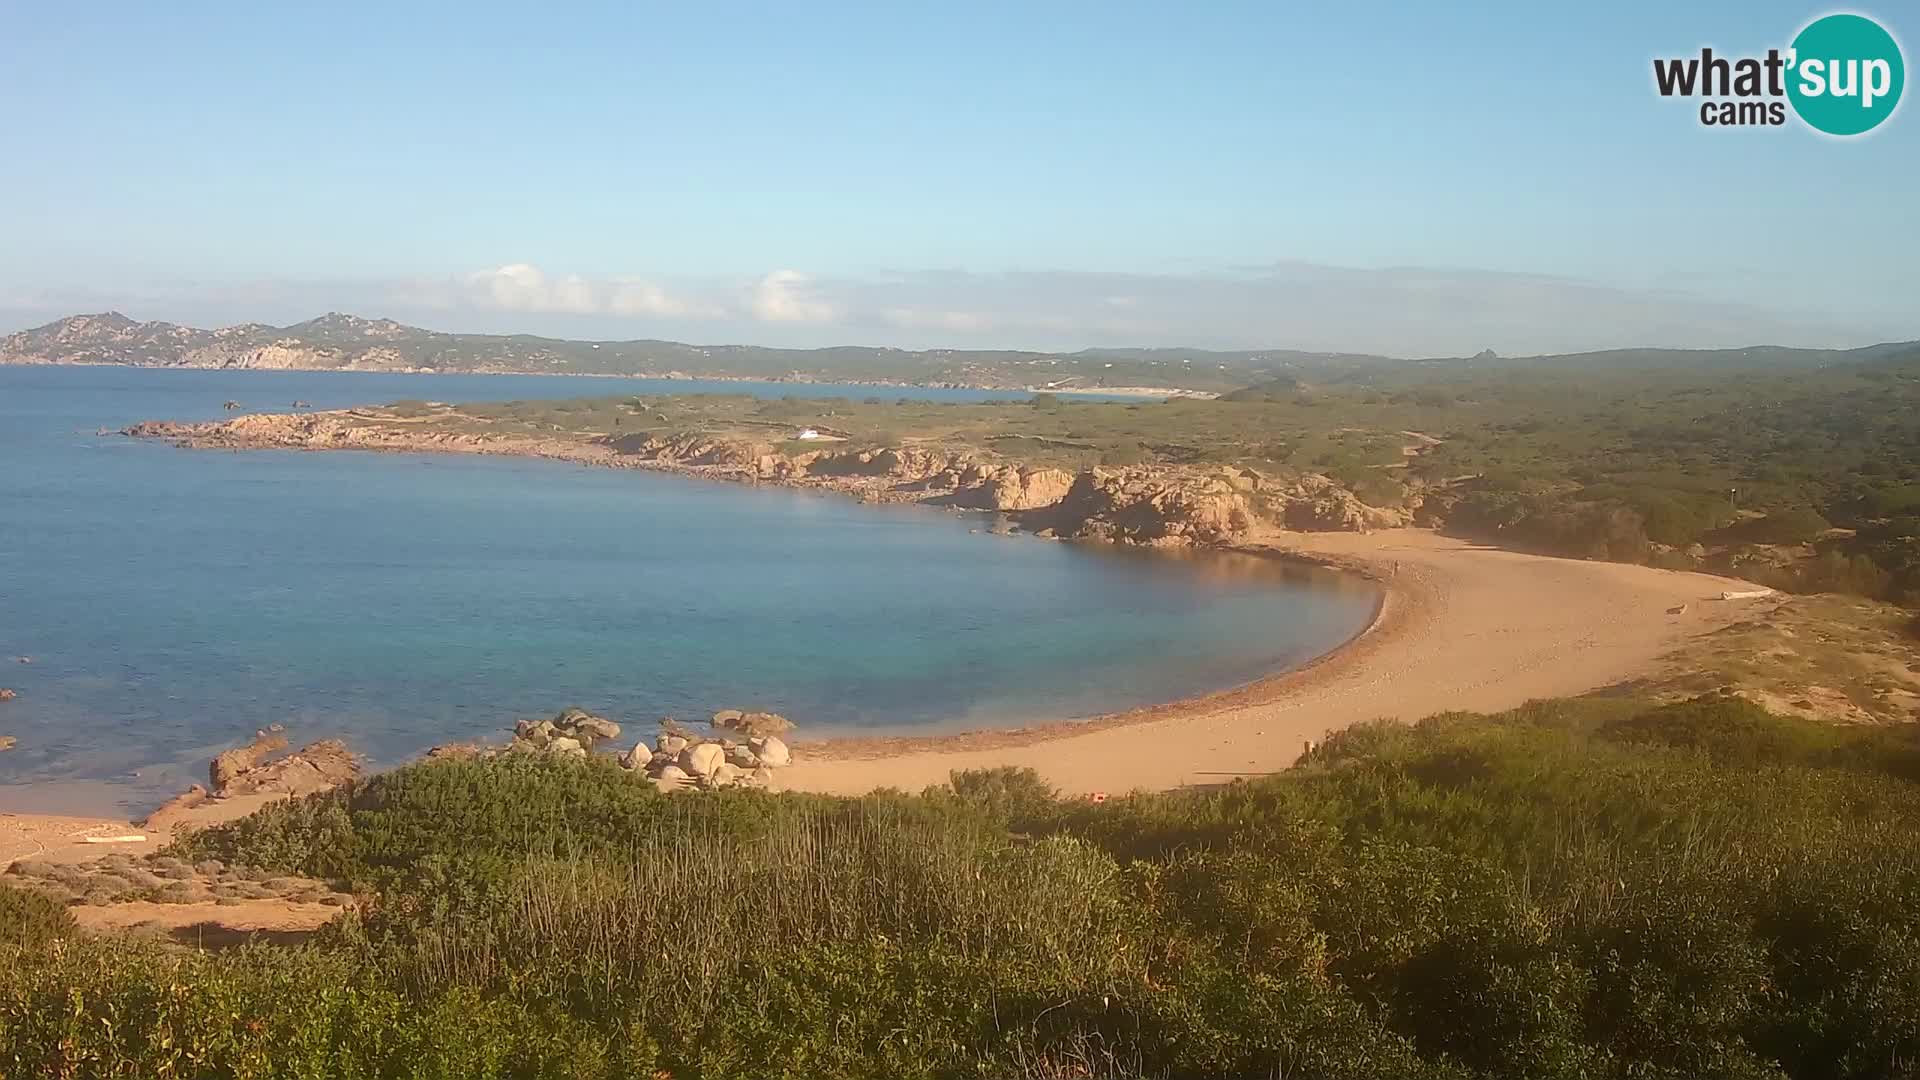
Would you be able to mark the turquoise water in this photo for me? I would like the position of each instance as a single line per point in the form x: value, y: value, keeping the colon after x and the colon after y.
x: 175, y: 600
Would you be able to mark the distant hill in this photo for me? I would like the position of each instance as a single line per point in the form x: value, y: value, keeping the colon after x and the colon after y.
x: 350, y: 343
x: 1755, y: 359
x: 339, y: 342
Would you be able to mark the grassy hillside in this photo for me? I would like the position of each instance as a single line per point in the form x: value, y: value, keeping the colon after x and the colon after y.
x: 1600, y: 888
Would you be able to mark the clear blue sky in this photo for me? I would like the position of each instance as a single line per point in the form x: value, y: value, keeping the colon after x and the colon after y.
x: 917, y: 173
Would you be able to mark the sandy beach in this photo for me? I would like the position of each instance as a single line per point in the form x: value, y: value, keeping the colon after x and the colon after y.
x: 1463, y: 626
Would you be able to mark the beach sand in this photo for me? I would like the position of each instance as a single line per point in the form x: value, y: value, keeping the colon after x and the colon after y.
x: 1462, y: 626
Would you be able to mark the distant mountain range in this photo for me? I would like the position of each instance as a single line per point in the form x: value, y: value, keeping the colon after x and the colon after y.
x: 337, y: 342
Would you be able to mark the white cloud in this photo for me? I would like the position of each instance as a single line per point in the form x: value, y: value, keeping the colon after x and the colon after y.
x: 637, y: 296
x: 787, y: 296
x: 1395, y: 311
x: 523, y: 287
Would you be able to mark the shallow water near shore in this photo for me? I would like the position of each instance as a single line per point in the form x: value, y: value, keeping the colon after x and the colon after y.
x: 172, y: 601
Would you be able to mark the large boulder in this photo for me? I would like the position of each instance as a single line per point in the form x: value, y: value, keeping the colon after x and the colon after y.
x: 754, y: 725
x: 671, y: 744
x: 743, y: 758
x: 585, y: 727
x: 773, y: 753
x: 229, y: 765
x: 534, y: 733
x: 702, y: 760
x: 318, y: 766
x: 723, y: 775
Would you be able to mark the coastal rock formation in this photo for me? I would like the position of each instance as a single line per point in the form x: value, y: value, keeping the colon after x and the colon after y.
x: 682, y: 758
x: 228, y: 766
x: 1157, y: 505
x: 772, y: 753
x: 754, y: 725
x: 317, y: 766
x: 1145, y: 505
x: 7, y: 694
x: 1317, y: 504
x: 570, y: 731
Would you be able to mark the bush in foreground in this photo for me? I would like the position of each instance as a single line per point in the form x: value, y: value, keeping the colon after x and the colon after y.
x: 1572, y: 889
x: 30, y: 920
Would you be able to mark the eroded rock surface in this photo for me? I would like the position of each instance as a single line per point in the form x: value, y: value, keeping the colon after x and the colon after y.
x: 1158, y: 505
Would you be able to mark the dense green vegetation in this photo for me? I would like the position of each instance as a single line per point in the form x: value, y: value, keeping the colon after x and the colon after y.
x: 1601, y: 888
x: 1804, y: 480
x: 28, y: 919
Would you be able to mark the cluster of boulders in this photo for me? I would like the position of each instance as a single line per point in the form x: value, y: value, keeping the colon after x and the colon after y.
x: 744, y: 757
x: 571, y: 731
x: 742, y: 751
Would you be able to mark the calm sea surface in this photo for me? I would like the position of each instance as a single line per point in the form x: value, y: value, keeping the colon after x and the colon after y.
x: 172, y: 601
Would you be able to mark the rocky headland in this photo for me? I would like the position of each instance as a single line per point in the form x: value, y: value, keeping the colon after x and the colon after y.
x: 1160, y: 505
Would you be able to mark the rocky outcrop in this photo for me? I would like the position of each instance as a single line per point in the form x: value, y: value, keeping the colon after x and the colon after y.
x: 1144, y: 505
x: 681, y: 758
x: 571, y: 731
x: 230, y: 765
x: 1157, y: 505
x: 754, y: 725
x: 317, y: 766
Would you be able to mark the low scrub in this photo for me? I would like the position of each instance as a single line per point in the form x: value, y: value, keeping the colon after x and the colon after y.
x: 30, y: 920
x: 1595, y: 888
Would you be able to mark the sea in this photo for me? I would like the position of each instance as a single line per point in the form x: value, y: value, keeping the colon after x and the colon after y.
x: 159, y: 604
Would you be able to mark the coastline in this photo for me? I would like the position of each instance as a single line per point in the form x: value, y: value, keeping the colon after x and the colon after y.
x: 1391, y: 611
x: 1461, y: 627
x: 1444, y: 637
x: 1450, y: 630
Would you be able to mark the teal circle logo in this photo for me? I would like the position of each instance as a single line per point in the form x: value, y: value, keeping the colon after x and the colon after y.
x: 1845, y: 74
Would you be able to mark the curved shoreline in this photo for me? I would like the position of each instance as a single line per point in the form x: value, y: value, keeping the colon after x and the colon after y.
x: 1391, y: 606
x: 1465, y: 627
x: 1461, y: 627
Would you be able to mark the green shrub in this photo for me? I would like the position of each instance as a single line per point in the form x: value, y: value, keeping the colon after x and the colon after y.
x: 1797, y: 525
x: 1590, y: 888
x: 29, y: 919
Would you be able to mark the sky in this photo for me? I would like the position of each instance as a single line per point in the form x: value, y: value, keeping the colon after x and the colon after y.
x: 1413, y: 179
